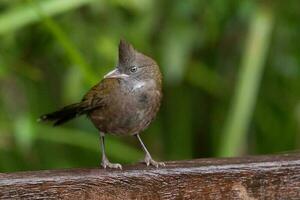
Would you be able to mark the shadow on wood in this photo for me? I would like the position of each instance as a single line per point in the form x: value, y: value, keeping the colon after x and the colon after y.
x: 262, y: 177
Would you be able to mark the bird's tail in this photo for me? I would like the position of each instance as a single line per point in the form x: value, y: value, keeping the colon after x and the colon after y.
x: 65, y: 114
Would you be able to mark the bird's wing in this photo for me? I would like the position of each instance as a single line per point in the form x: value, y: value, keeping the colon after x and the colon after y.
x: 98, y: 95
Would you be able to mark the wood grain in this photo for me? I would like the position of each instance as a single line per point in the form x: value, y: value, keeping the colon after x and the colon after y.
x: 262, y: 177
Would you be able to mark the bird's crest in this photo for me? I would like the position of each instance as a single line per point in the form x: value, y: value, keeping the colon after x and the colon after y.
x: 126, y: 52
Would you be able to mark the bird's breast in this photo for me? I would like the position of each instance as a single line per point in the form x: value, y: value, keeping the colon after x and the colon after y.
x: 128, y: 111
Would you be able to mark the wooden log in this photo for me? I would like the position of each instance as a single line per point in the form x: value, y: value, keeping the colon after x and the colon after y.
x: 261, y: 177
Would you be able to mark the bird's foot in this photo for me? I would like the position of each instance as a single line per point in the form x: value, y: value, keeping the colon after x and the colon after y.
x: 149, y: 161
x: 106, y: 164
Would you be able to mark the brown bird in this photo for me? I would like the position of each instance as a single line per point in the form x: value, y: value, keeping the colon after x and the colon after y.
x: 125, y: 102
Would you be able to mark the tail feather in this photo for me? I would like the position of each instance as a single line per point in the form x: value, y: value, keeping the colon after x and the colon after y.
x: 65, y: 114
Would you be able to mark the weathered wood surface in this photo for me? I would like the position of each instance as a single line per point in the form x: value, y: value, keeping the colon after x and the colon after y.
x: 263, y: 177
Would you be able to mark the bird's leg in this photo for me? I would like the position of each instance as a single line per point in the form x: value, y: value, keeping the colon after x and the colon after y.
x: 105, y: 162
x: 148, y: 159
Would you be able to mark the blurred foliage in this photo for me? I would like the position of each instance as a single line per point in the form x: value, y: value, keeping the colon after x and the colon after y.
x: 231, y: 77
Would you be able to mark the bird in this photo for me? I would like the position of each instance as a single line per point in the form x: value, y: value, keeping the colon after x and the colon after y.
x: 123, y: 103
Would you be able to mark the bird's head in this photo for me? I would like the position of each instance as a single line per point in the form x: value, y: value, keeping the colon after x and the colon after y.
x: 134, y: 65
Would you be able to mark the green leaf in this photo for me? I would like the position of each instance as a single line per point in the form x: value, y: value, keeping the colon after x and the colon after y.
x: 25, y: 14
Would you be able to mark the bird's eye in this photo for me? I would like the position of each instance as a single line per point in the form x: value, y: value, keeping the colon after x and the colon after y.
x: 133, y: 69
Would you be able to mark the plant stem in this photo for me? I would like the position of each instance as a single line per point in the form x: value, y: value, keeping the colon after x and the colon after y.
x: 248, y: 83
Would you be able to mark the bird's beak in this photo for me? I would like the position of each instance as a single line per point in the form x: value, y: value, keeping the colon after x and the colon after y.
x: 115, y: 74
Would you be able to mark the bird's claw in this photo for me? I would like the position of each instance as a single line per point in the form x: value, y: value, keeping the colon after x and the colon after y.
x: 149, y: 161
x: 106, y: 164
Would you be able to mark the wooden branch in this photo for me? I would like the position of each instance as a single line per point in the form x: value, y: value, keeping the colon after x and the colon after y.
x: 262, y: 177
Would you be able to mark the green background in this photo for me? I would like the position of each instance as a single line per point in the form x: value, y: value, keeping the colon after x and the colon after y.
x: 231, y: 77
